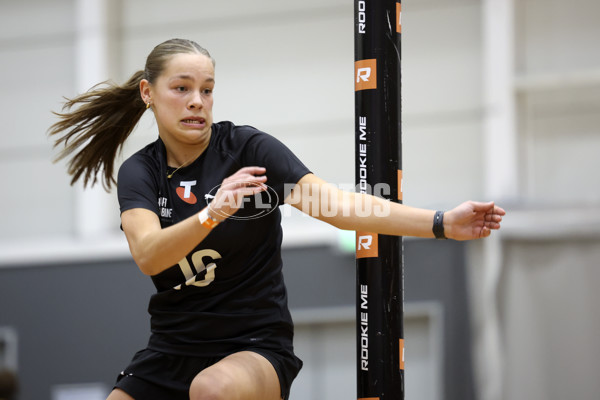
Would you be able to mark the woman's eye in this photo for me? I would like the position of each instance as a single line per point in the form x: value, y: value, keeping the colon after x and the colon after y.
x: 181, y: 88
x: 207, y: 91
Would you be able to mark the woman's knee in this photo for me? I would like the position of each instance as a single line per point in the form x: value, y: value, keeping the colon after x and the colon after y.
x: 213, y: 385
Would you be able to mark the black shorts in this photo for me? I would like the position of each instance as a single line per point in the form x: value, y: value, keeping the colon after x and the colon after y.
x: 153, y: 375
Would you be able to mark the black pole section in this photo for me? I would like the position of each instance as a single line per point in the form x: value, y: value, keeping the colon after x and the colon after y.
x: 379, y: 310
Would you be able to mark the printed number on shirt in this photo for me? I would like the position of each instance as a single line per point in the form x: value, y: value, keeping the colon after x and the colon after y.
x: 191, y: 271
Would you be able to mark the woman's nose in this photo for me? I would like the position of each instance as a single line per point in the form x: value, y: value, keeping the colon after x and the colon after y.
x: 195, y: 101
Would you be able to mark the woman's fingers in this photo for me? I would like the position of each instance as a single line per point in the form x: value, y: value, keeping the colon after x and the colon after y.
x: 244, y: 177
x: 247, y: 189
x: 245, y: 185
x: 252, y: 170
x: 248, y: 173
x: 499, y: 211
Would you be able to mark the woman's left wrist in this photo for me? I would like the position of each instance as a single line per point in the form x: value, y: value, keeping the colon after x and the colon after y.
x: 440, y: 225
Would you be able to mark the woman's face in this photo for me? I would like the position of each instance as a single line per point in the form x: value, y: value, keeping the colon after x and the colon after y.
x: 182, y: 99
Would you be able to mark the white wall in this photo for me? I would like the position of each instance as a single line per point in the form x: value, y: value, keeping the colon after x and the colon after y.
x: 268, y: 54
x: 532, y: 284
x: 442, y: 102
x: 35, y: 49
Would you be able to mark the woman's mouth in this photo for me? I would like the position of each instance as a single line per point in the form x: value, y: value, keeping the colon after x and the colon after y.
x: 194, y: 121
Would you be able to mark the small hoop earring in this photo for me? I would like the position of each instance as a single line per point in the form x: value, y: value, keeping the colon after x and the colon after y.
x: 147, y: 105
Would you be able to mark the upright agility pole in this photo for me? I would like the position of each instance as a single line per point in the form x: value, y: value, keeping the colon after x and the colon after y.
x: 379, y: 259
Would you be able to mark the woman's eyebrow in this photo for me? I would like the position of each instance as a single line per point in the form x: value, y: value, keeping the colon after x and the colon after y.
x: 190, y: 77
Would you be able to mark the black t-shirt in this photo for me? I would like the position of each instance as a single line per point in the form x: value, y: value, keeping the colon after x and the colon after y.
x: 228, y: 293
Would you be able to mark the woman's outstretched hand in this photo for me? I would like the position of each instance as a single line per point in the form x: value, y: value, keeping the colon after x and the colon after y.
x: 472, y: 220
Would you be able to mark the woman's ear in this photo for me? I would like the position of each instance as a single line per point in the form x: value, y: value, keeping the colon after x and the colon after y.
x: 146, y: 91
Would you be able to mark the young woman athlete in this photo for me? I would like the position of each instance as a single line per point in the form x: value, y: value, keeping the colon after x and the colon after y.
x: 199, y: 210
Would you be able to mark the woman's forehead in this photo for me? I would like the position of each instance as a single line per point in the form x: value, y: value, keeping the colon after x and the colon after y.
x: 189, y: 66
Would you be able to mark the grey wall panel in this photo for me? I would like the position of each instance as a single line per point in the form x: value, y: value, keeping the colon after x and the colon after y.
x: 82, y: 322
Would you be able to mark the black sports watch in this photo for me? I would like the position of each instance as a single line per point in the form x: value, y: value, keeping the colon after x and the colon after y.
x: 438, y: 225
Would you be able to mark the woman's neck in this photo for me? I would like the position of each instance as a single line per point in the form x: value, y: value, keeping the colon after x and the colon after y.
x: 181, y: 155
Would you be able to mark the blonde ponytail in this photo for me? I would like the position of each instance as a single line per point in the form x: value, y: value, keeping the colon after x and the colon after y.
x: 101, y: 120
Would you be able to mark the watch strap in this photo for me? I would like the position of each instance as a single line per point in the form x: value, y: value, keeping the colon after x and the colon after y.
x: 438, y: 225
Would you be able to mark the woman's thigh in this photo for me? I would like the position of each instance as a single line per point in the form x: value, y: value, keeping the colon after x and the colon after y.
x: 241, y: 376
x: 118, y: 394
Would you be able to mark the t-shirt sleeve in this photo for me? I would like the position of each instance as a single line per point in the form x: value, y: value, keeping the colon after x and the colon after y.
x: 284, y: 169
x: 136, y: 186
